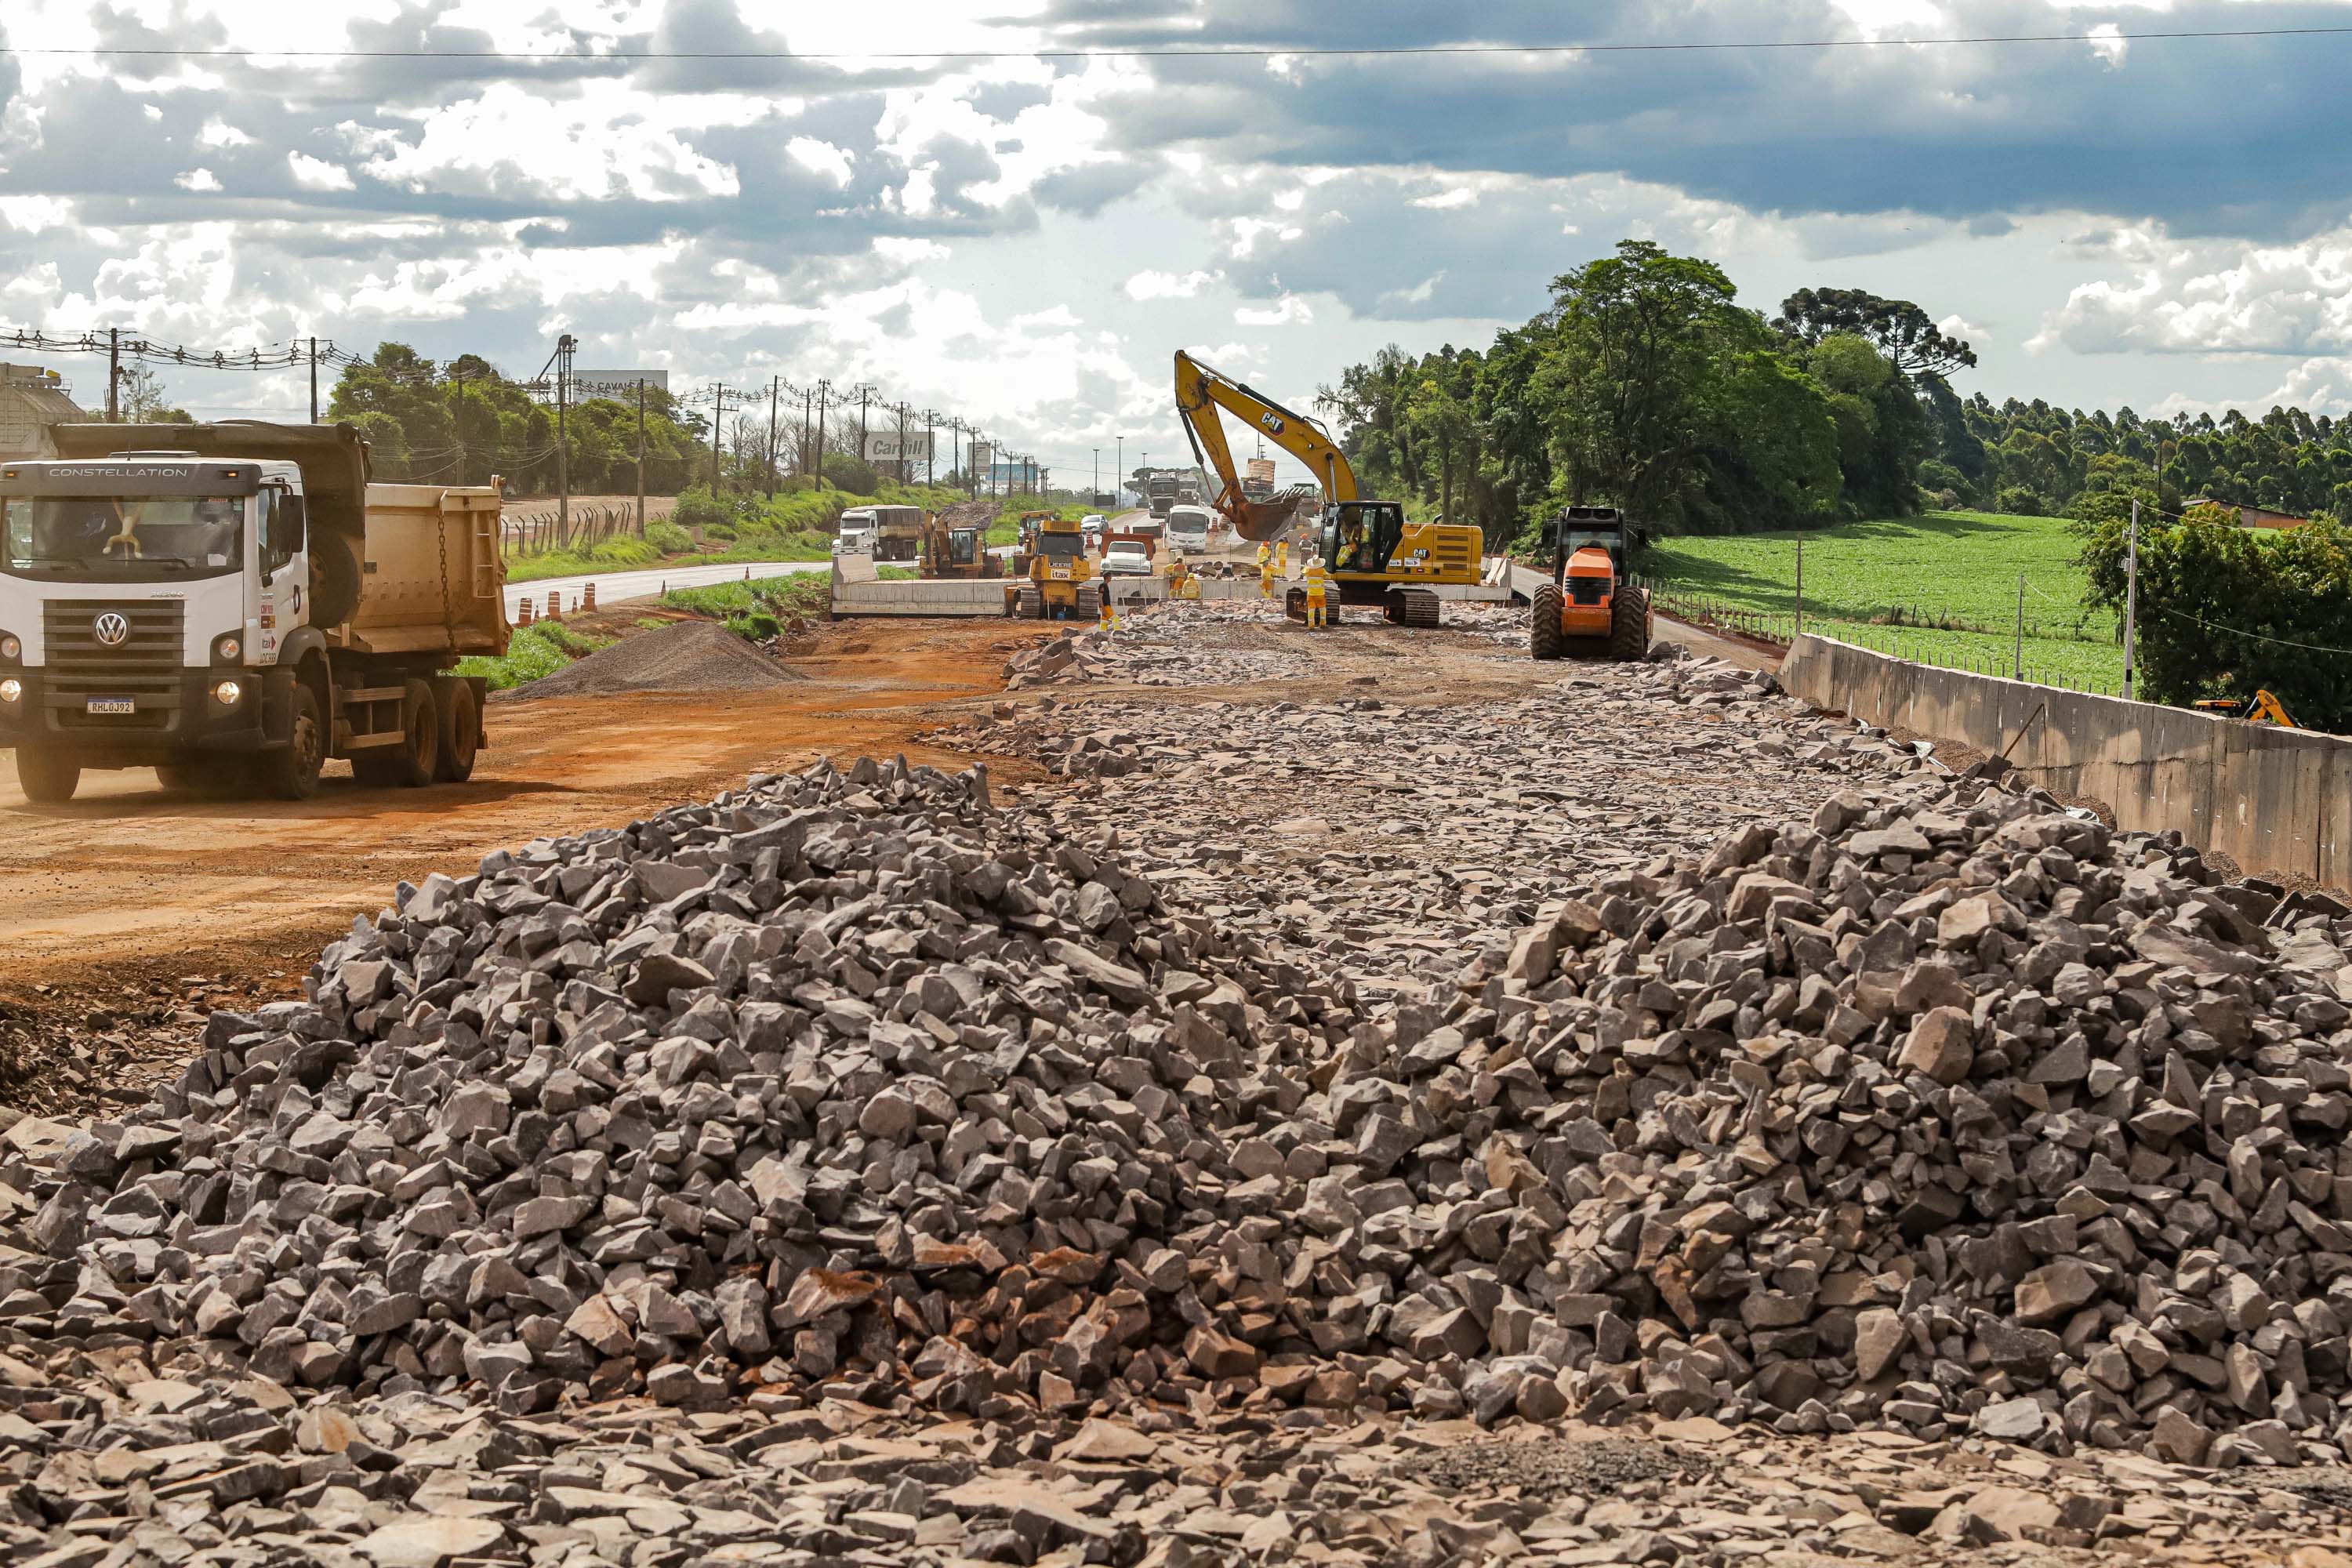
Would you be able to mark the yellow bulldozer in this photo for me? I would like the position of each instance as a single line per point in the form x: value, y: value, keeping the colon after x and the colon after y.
x: 1059, y: 580
x: 1590, y: 606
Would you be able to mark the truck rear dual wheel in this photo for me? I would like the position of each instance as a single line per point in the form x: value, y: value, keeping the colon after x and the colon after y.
x: 1543, y: 622
x: 46, y: 777
x: 412, y: 763
x: 461, y: 729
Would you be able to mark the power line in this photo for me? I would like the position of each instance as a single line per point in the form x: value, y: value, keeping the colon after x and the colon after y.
x: 2240, y: 631
x: 1203, y: 51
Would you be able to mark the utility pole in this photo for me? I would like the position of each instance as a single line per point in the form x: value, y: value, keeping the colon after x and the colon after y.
x: 1094, y: 495
x: 1118, y: 471
x: 641, y: 457
x: 775, y: 390
x: 2131, y: 597
x: 905, y: 469
x: 864, y: 395
x: 718, y: 424
x: 113, y: 374
x: 930, y: 446
x: 808, y: 408
x: 563, y: 347
x: 314, y: 382
x: 823, y: 387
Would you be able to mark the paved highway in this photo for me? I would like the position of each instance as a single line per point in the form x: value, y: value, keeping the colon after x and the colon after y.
x: 616, y: 587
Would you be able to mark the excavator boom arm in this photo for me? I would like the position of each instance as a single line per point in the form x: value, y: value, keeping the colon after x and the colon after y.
x: 1200, y: 391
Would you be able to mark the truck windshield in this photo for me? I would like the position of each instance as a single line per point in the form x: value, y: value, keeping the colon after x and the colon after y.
x: 1060, y: 546
x: 123, y: 538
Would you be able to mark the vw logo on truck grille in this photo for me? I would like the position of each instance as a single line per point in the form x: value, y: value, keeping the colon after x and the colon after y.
x: 113, y: 628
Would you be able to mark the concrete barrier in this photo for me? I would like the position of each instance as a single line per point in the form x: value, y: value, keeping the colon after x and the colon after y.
x: 2272, y: 800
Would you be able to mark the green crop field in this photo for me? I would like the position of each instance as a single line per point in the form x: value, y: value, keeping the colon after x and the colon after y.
x: 1942, y: 588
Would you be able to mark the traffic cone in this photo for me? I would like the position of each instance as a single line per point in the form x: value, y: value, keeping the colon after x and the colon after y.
x: 555, y: 605
x: 588, y: 598
x: 522, y: 615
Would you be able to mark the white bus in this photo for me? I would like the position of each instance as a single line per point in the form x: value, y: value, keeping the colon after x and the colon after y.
x: 1188, y: 527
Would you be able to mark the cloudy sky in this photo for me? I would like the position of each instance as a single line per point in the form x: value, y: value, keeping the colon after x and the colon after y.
x: 759, y: 188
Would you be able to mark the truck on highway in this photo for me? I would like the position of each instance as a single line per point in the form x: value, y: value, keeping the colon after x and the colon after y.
x: 1160, y: 491
x: 231, y: 604
x: 898, y: 531
x: 1187, y: 528
x: 854, y: 535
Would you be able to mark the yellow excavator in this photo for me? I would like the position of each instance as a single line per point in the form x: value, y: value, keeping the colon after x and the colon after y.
x: 2263, y: 708
x: 1373, y: 555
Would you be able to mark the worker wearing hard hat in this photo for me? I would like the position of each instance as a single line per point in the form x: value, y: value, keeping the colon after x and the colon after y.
x: 1318, y: 582
x: 1265, y: 571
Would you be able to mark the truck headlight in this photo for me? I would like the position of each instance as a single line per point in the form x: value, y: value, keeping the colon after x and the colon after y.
x: 227, y: 649
x: 227, y: 694
x: 12, y: 691
x: 11, y: 648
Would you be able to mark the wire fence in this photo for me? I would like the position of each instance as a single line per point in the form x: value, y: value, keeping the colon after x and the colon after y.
x: 543, y: 533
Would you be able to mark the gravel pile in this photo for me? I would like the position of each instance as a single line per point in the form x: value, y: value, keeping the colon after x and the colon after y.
x: 686, y: 656
x: 1176, y: 643
x: 816, y: 1076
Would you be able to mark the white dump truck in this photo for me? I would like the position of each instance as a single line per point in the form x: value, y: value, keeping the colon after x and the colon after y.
x: 233, y: 604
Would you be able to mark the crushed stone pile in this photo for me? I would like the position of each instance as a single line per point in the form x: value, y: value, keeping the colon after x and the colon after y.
x: 686, y: 656
x: 1172, y: 644
x: 814, y: 1078
x: 1951, y: 1112
x: 1945, y: 1111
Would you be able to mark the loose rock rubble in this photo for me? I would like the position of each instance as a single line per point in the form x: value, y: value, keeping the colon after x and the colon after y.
x: 1164, y: 645
x: 853, y: 1167
x: 1385, y: 837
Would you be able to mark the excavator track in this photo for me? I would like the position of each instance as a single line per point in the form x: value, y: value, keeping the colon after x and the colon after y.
x: 1413, y: 607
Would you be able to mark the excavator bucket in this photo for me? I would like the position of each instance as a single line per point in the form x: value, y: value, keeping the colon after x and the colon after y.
x: 1259, y: 521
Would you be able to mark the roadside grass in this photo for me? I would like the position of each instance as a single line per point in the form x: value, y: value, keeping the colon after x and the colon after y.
x: 1942, y: 588
x: 795, y: 525
x: 755, y: 611
x: 541, y: 648
x: 1007, y: 528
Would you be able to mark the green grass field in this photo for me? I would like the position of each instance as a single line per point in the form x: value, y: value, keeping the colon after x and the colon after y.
x: 1942, y: 588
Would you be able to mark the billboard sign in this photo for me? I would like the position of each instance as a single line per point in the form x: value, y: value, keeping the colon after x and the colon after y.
x: 891, y: 446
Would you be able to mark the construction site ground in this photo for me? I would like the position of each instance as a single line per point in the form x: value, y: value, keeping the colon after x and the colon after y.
x: 1391, y: 800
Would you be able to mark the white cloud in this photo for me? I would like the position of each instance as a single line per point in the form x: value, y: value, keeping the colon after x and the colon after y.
x: 2210, y: 297
x: 1291, y: 310
x: 317, y: 174
x: 2109, y: 43
x: 218, y: 132
x: 1459, y: 196
x: 205, y: 180
x: 820, y: 158
x: 1149, y: 285
x: 607, y: 143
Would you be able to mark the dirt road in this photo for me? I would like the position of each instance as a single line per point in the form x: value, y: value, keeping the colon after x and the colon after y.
x: 131, y: 893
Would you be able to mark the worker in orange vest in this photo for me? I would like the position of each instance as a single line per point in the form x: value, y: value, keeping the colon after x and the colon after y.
x: 1318, y: 582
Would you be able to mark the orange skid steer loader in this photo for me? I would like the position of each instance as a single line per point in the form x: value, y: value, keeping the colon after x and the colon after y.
x: 1589, y: 606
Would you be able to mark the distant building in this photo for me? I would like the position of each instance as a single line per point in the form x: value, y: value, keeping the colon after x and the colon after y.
x: 31, y: 400
x: 2250, y: 516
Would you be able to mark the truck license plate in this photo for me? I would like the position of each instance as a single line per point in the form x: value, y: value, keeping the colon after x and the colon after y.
x: 112, y: 705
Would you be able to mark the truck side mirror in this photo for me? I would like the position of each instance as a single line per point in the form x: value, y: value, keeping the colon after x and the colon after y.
x: 286, y: 526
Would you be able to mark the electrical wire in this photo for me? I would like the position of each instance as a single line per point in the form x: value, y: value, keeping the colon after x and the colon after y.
x: 2241, y: 632
x: 1205, y: 51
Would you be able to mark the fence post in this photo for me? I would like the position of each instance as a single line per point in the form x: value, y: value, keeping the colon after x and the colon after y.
x: 2020, y: 623
x: 1800, y: 585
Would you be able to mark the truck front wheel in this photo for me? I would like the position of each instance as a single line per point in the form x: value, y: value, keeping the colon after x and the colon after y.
x: 292, y: 772
x: 46, y: 777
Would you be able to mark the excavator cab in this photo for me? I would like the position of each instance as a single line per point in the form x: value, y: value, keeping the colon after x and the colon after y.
x: 1362, y: 535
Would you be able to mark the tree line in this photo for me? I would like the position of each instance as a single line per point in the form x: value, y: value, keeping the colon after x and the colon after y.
x: 1646, y: 385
